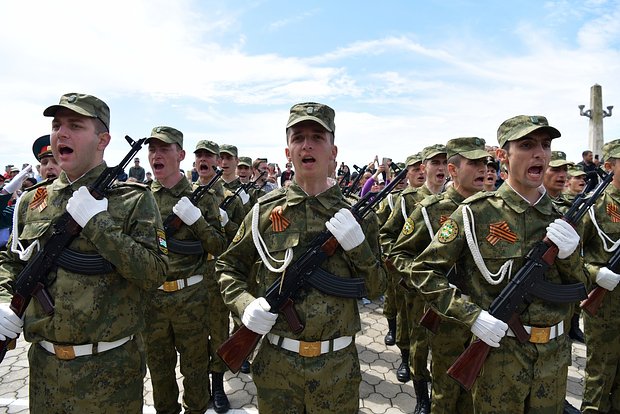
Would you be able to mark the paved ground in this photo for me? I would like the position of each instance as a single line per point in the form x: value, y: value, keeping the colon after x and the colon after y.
x: 380, y: 392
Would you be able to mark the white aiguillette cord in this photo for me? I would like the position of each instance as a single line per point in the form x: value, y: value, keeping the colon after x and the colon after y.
x: 16, y: 245
x: 261, y: 247
x: 472, y: 242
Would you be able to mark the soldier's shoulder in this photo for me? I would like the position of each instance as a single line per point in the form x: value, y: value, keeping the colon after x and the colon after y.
x: 40, y: 184
x: 478, y: 197
x: 273, y: 196
x: 409, y: 190
x: 433, y: 199
x: 131, y: 186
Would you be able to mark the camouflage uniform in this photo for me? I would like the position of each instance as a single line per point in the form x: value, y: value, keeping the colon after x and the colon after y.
x: 91, y: 309
x: 286, y: 381
x: 178, y: 318
x: 603, y: 330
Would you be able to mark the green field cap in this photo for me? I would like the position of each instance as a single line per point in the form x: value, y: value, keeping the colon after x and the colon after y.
x: 611, y: 149
x: 413, y: 159
x: 229, y: 149
x: 207, y: 145
x: 519, y: 126
x: 471, y: 148
x: 167, y: 134
x: 433, y: 150
x: 312, y: 111
x: 245, y: 161
x: 558, y: 159
x: 82, y: 104
x: 575, y: 171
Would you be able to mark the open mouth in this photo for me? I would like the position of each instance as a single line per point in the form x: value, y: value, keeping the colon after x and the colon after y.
x: 158, y: 166
x: 535, y: 172
x: 479, y: 180
x: 441, y: 176
x: 308, y: 160
x: 64, y: 150
x: 203, y: 167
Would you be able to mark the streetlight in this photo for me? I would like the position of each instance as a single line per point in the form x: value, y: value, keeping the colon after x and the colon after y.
x: 588, y: 113
x: 608, y: 111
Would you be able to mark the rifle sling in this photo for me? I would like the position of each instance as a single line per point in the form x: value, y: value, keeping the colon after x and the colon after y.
x: 187, y: 247
x: 333, y: 285
x: 84, y: 263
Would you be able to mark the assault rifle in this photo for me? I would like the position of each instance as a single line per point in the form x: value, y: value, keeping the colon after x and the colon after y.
x: 304, y: 271
x: 353, y: 187
x: 243, y: 187
x: 31, y: 281
x: 529, y: 282
x: 173, y: 223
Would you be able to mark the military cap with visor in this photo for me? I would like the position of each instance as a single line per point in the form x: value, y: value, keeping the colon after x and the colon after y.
x: 519, y: 126
x: 433, y: 151
x: 312, y: 111
x: 245, y: 162
x: 210, y: 146
x: 82, y: 104
x: 167, y: 134
x: 576, y: 171
x: 611, y: 149
x: 229, y: 149
x: 413, y: 159
x: 558, y: 159
x: 471, y: 148
x: 42, y: 148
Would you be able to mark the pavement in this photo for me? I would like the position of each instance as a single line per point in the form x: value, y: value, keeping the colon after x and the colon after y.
x: 380, y: 392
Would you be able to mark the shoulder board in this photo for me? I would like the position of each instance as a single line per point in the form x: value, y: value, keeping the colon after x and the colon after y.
x: 227, y: 192
x: 43, y: 183
x: 409, y: 190
x: 272, y: 195
x: 435, y: 198
x: 479, y: 196
x: 132, y: 185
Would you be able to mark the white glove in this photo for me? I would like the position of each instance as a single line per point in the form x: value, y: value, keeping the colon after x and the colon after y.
x: 607, y: 279
x: 186, y: 211
x: 257, y: 318
x: 489, y: 329
x: 223, y: 217
x: 10, y: 324
x: 345, y: 229
x: 18, y: 180
x: 83, y: 206
x: 563, y: 235
x: 245, y: 197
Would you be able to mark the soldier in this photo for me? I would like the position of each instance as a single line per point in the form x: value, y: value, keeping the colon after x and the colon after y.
x: 42, y: 151
x: 229, y: 162
x: 490, y: 179
x: 178, y: 311
x: 601, y: 235
x: 576, y: 183
x: 318, y: 369
x: 488, y: 237
x: 86, y: 357
x: 434, y: 165
x: 244, y: 172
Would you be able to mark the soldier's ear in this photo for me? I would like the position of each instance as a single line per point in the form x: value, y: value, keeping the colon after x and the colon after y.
x: 501, y: 154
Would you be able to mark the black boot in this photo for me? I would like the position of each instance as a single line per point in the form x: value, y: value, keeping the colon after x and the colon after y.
x: 569, y: 409
x: 245, y: 367
x: 220, y: 400
x: 402, y: 373
x: 575, y: 332
x: 423, y: 404
x: 390, y: 337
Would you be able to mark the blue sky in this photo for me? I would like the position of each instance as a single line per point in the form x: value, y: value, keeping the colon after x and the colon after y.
x: 400, y: 74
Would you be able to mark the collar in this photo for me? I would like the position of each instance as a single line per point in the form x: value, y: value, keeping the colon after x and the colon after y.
x: 454, y: 195
x: 177, y: 190
x: 328, y: 198
x: 88, y: 178
x: 519, y: 204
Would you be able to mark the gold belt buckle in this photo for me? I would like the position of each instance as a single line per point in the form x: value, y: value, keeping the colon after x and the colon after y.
x: 309, y: 349
x: 64, y: 352
x: 171, y: 286
x: 540, y: 335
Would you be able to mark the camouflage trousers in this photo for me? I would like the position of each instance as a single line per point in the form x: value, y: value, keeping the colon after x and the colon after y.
x: 418, y: 337
x: 287, y: 383
x: 219, y: 324
x: 602, y: 332
x: 523, y: 378
x: 110, y: 382
x: 402, y: 318
x: 446, y: 345
x: 390, y: 304
x: 177, y: 321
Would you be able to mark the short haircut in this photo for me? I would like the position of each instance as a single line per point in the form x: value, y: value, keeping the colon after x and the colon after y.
x: 455, y: 159
x: 586, y: 152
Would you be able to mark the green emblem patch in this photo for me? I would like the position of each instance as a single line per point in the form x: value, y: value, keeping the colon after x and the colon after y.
x: 161, y: 241
x: 240, y: 233
x: 448, y: 231
x: 408, y: 226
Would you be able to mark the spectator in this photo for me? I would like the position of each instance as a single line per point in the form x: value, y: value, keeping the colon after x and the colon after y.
x: 287, y: 175
x: 137, y: 171
x: 588, y: 163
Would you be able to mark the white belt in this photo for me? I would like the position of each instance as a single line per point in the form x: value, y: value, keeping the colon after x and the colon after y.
x: 542, y: 335
x: 68, y: 352
x: 309, y: 349
x: 174, y: 285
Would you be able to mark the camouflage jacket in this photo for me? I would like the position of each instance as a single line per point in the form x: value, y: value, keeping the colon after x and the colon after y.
x: 301, y: 219
x: 92, y: 308
x: 403, y: 207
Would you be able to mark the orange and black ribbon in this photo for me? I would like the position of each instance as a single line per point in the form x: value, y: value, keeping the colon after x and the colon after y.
x: 612, y: 210
x: 278, y: 221
x: 501, y: 231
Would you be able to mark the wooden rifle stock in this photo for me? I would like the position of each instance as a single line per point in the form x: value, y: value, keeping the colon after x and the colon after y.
x: 594, y: 301
x: 238, y: 348
x: 431, y: 320
x: 468, y: 365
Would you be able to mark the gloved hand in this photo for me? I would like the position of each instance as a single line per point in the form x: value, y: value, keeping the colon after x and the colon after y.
x: 345, y: 229
x: 223, y: 217
x: 186, y: 211
x: 489, y: 329
x: 10, y: 324
x: 257, y: 318
x: 607, y: 279
x: 83, y: 206
x: 18, y: 180
x: 245, y: 197
x: 564, y: 236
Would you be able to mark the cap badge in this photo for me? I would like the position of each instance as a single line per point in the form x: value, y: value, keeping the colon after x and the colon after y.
x: 72, y: 98
x: 534, y: 120
x: 309, y: 110
x: 501, y: 231
x: 158, y: 130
